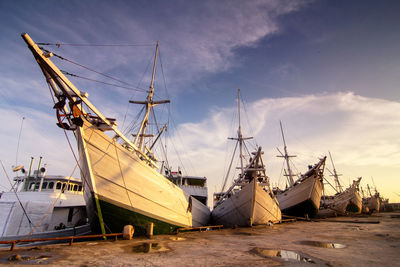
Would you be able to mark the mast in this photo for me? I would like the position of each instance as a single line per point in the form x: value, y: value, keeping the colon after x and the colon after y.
x: 289, y: 175
x: 63, y: 89
x: 240, y: 139
x: 141, y: 134
x: 336, y: 176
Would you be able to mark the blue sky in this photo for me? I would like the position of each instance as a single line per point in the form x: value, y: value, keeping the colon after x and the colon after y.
x: 328, y: 69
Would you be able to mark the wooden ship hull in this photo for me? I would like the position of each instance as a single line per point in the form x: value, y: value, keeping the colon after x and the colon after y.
x: 251, y: 205
x: 347, y: 201
x: 128, y: 191
x: 304, y: 196
x: 122, y: 183
x: 372, y: 203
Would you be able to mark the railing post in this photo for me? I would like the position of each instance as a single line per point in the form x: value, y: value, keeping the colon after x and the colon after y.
x: 12, y: 246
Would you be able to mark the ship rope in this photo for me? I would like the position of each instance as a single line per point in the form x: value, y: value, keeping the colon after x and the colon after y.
x: 94, y: 45
x: 83, y: 179
x: 132, y: 87
x: 19, y: 201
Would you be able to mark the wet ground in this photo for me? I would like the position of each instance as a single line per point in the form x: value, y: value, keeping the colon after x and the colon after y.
x: 341, y: 241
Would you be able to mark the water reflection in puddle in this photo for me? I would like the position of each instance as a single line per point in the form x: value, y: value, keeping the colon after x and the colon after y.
x: 321, y: 244
x: 26, y: 259
x: 149, y: 248
x: 285, y: 255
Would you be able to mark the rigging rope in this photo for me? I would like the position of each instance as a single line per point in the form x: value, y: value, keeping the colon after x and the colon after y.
x: 92, y: 70
x: 15, y: 192
x: 102, y: 45
x: 97, y: 81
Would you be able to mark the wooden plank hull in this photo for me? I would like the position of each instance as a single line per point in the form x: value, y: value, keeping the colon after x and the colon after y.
x: 347, y: 201
x: 373, y: 204
x: 122, y: 189
x: 302, y: 198
x: 252, y: 205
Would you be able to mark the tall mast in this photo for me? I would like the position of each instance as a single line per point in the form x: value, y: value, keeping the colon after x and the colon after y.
x: 240, y: 138
x: 336, y: 176
x: 141, y: 134
x: 289, y: 175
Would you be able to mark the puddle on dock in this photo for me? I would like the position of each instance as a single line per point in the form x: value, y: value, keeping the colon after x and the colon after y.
x: 321, y: 244
x: 149, y: 248
x: 28, y: 259
x: 286, y: 255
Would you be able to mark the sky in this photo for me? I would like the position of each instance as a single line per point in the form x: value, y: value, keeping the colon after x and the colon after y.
x: 329, y: 70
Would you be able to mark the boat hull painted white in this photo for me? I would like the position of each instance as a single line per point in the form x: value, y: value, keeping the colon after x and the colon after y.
x: 373, y: 204
x: 302, y: 198
x: 348, y: 200
x: 252, y: 205
x: 120, y: 178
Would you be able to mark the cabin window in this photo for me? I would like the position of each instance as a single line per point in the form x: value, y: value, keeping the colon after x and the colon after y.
x: 63, y: 187
x: 80, y: 188
x: 69, y: 187
x: 76, y: 187
x: 44, y: 185
x: 58, y: 185
x: 37, y: 185
x: 31, y: 186
x: 51, y: 185
x: 70, y: 214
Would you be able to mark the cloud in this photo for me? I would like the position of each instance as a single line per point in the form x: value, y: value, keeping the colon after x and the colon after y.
x: 360, y: 132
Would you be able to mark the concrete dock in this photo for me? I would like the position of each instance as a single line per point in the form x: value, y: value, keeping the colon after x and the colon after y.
x: 341, y: 241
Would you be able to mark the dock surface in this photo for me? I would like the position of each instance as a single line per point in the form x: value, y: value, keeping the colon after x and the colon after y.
x: 340, y: 241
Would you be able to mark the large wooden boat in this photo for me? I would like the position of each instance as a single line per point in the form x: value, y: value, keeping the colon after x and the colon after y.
x: 343, y: 201
x: 372, y: 202
x: 123, y: 183
x: 302, y: 197
x: 249, y: 200
x: 348, y: 200
x: 42, y: 206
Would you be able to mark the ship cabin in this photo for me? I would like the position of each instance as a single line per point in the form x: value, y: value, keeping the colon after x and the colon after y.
x: 51, y: 183
x: 193, y: 185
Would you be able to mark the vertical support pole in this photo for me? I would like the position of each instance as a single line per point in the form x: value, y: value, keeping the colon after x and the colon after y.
x: 149, y: 230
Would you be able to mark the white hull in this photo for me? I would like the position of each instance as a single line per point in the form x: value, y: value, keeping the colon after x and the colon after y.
x: 302, y: 198
x: 252, y: 205
x: 340, y: 202
x: 372, y: 203
x: 119, y: 177
x: 42, y: 209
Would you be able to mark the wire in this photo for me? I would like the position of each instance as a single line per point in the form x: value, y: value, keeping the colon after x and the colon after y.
x: 103, y: 45
x: 15, y: 192
x: 19, y: 138
x: 97, y: 81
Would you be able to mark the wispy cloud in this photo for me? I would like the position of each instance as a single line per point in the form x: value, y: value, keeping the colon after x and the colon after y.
x: 343, y: 123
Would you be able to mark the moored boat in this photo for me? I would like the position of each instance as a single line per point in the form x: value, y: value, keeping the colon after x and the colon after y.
x: 123, y: 183
x: 343, y: 201
x: 249, y: 200
x: 302, y: 197
x: 348, y: 200
x: 372, y: 202
x: 42, y: 206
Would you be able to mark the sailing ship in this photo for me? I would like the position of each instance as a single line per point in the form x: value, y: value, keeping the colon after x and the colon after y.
x: 302, y: 197
x: 42, y: 206
x: 123, y: 183
x: 249, y: 200
x: 343, y: 201
x: 373, y: 202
